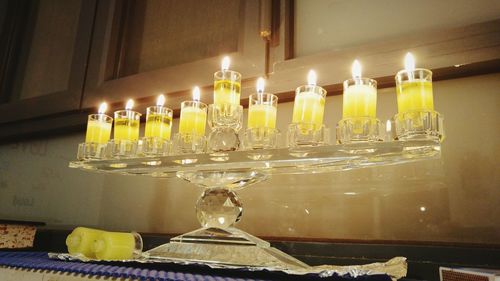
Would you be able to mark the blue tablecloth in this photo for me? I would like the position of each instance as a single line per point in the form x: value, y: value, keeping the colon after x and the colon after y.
x: 156, y: 272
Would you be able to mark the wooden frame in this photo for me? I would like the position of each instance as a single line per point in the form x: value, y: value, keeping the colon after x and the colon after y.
x: 176, y: 81
x: 58, y: 102
x: 450, y: 53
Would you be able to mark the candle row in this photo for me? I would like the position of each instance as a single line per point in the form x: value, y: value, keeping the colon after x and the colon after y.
x: 413, y: 86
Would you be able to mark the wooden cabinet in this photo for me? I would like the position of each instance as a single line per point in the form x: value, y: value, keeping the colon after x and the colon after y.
x: 44, y: 52
x: 143, y: 48
x: 62, y: 58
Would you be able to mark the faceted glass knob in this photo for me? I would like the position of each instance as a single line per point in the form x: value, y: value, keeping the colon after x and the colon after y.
x: 219, y: 208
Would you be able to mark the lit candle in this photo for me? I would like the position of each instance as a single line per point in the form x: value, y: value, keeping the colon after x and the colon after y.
x: 193, y: 116
x: 262, y: 108
x: 159, y: 120
x: 117, y: 245
x: 309, y: 105
x: 414, y: 88
x: 227, y: 85
x: 99, y: 126
x: 127, y: 123
x: 360, y: 95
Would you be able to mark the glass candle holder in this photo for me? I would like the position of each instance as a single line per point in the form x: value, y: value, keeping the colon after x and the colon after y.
x: 416, y: 118
x: 98, y: 128
x: 309, y: 107
x: 227, y: 87
x: 97, y: 137
x: 262, y: 111
x: 127, y: 124
x: 359, y: 98
x: 359, y: 122
x: 158, y: 122
x: 193, y: 118
x: 414, y: 90
x: 126, y: 134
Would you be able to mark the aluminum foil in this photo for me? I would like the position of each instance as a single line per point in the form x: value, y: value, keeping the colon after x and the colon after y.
x: 395, y: 268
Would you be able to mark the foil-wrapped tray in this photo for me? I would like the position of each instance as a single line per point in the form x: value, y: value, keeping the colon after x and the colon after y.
x: 395, y: 268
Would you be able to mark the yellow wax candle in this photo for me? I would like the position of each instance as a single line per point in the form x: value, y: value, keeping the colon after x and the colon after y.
x: 159, y: 120
x: 192, y: 121
x: 309, y: 107
x: 127, y: 123
x: 262, y: 116
x: 98, y: 131
x: 193, y: 116
x: 360, y: 95
x: 227, y: 85
x: 117, y: 245
x: 99, y: 126
x: 81, y: 241
x: 126, y: 129
x: 360, y: 101
x: 227, y: 92
x: 158, y: 125
x: 414, y: 88
x: 309, y: 104
x: 415, y: 96
x: 262, y: 108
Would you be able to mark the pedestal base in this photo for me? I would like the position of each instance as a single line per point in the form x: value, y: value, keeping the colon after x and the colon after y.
x: 225, y: 246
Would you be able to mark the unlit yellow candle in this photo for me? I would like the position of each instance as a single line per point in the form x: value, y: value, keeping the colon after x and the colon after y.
x: 115, y: 246
x: 81, y: 241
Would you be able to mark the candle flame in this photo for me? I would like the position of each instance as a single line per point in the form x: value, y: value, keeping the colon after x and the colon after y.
x: 102, y: 108
x: 196, y: 93
x: 225, y: 63
x: 356, y: 69
x: 409, y: 62
x: 160, y: 101
x: 130, y: 104
x: 312, y: 78
x: 260, y: 85
x: 388, y: 126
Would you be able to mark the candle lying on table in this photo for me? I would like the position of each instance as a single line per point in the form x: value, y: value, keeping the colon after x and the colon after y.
x: 117, y: 245
x: 227, y: 85
x: 262, y: 108
x: 127, y: 123
x: 81, y: 241
x: 193, y: 116
x: 309, y: 104
x: 99, y: 126
x: 159, y: 120
x: 360, y: 95
x: 414, y: 88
